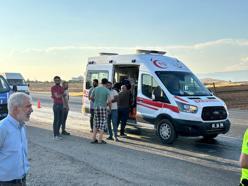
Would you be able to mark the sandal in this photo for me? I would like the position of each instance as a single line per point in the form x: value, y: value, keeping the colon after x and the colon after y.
x: 93, y: 142
x: 103, y: 142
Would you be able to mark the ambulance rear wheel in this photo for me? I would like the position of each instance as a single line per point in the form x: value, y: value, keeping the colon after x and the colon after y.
x: 166, y: 131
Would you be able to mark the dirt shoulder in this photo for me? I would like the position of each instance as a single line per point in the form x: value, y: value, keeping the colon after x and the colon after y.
x: 75, y: 88
x: 234, y: 96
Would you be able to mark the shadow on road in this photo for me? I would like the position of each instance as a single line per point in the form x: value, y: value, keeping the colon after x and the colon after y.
x: 228, y: 149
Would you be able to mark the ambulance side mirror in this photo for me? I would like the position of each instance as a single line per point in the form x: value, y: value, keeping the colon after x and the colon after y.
x: 153, y: 97
x: 212, y: 92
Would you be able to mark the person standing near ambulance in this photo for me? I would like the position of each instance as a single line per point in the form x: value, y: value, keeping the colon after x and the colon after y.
x: 101, y: 97
x: 57, y: 92
x: 124, y: 102
x: 113, y: 113
x: 66, y: 107
x: 244, y: 160
x: 95, y: 84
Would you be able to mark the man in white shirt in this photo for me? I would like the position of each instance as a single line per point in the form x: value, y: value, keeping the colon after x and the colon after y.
x: 113, y: 113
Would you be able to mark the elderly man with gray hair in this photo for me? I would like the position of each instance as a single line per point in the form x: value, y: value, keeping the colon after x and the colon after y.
x: 14, y: 163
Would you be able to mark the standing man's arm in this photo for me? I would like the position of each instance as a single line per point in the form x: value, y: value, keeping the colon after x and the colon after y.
x: 243, y: 161
x: 90, y: 92
x: 55, y: 94
x: 115, y: 96
x: 52, y: 93
x: 244, y: 152
x: 2, y: 137
x: 92, y: 95
x: 65, y: 101
x: 109, y: 102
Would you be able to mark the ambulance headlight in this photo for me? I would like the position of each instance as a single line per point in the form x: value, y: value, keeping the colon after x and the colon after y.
x: 186, y: 107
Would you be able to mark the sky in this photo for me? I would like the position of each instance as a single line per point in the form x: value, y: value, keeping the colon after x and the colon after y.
x: 45, y: 38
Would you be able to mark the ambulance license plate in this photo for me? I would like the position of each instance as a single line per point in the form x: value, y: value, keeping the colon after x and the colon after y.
x: 217, y: 125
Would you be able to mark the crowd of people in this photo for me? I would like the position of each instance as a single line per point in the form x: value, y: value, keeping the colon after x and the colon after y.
x: 109, y: 107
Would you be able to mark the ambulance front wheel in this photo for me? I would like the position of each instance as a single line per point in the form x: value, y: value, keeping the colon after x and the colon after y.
x: 166, y: 131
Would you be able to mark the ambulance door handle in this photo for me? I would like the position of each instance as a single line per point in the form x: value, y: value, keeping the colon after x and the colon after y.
x: 141, y: 100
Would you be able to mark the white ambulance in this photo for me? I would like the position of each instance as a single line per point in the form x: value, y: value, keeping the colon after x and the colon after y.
x: 166, y: 94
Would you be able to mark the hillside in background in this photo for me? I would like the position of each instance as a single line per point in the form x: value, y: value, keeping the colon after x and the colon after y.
x: 209, y: 82
x: 233, y: 76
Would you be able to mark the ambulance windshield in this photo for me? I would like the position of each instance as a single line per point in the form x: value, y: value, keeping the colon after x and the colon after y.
x: 182, y: 83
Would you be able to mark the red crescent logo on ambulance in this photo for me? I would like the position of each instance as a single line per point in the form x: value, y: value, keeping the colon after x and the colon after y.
x: 160, y: 64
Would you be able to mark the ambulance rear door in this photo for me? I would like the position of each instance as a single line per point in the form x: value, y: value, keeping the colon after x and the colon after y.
x: 94, y: 71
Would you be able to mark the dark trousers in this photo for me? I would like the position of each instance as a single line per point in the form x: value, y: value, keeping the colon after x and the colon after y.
x: 65, y: 114
x: 244, y: 182
x: 58, y: 112
x: 122, y: 117
x: 91, y: 118
x: 14, y: 182
x: 113, y: 116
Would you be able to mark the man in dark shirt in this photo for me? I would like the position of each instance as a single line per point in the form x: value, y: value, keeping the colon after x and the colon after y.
x: 124, y: 101
x: 57, y: 96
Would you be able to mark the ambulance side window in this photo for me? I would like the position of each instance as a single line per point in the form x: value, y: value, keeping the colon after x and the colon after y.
x: 91, y: 75
x: 152, y: 90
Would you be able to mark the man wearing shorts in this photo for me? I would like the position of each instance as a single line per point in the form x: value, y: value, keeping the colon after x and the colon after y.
x: 101, y: 97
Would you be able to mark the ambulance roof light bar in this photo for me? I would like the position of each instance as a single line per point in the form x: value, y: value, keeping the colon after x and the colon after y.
x: 141, y: 51
x: 107, y: 54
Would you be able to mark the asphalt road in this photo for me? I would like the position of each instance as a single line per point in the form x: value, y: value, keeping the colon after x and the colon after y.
x: 46, y: 101
x: 189, y: 161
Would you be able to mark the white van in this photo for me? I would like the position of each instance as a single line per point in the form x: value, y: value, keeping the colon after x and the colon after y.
x: 166, y: 94
x: 16, y: 79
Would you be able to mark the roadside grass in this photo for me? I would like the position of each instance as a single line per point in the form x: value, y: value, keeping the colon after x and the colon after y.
x: 76, y: 94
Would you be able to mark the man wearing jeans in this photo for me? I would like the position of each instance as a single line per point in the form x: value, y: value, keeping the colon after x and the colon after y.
x: 124, y: 101
x: 57, y: 96
x: 113, y: 113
